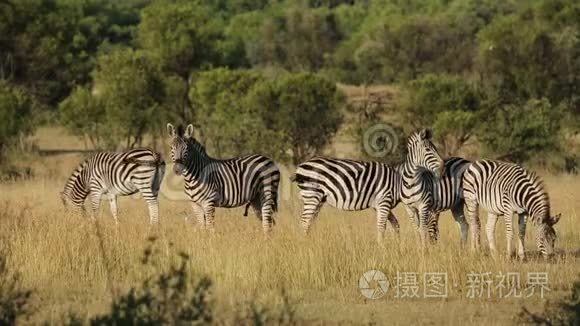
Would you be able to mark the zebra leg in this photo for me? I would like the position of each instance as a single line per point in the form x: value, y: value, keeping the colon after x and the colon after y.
x: 153, y: 206
x: 209, y: 212
x: 490, y: 231
x: 522, y: 220
x: 113, y: 205
x: 474, y: 223
x: 509, y: 232
x: 267, y: 211
x: 459, y: 216
x: 383, y: 214
x: 312, y: 205
x: 413, y: 217
x: 424, y: 216
x: 198, y: 214
x: 95, y: 204
x: 433, y: 227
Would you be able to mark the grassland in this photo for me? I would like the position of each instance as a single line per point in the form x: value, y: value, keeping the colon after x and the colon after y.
x: 59, y: 255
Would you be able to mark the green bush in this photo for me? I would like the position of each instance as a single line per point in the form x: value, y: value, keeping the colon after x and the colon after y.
x: 519, y: 133
x: 447, y: 103
x: 226, y: 124
x: 301, y: 113
x: 16, y: 118
x: 83, y: 115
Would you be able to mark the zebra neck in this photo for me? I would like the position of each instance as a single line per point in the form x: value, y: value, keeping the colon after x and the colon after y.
x: 198, y: 161
x: 411, y: 172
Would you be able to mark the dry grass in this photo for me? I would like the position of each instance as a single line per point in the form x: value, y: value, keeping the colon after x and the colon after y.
x: 59, y: 257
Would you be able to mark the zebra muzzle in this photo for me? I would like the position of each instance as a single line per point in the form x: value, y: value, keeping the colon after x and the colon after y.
x: 178, y: 168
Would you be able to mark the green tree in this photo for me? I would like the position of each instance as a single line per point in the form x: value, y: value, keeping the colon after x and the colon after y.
x: 226, y: 124
x: 129, y: 86
x: 519, y: 133
x: 83, y: 115
x: 15, y: 115
x: 301, y: 113
x: 447, y: 103
x: 299, y: 39
x: 181, y: 36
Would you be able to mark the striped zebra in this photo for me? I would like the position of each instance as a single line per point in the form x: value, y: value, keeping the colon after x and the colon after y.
x: 438, y: 194
x: 116, y: 174
x: 416, y: 191
x: 504, y: 189
x: 355, y: 185
x: 348, y: 185
x: 250, y: 180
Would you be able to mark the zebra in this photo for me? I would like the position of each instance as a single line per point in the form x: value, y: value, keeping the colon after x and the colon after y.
x: 439, y: 194
x: 113, y: 174
x: 355, y: 185
x: 250, y: 180
x: 504, y: 189
x: 416, y: 193
x: 348, y: 185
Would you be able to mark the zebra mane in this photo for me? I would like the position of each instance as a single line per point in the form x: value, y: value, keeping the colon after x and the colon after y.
x: 539, y: 187
x: 180, y: 130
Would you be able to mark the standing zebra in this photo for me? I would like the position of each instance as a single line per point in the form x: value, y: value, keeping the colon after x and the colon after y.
x: 504, y: 189
x: 116, y: 174
x: 250, y: 180
x: 417, y: 191
x: 438, y: 194
x: 348, y: 185
x: 355, y: 185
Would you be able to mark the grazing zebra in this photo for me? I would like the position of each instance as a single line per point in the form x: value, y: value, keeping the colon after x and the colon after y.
x: 504, y: 189
x: 440, y: 194
x: 116, y: 174
x: 416, y: 194
x: 348, y: 185
x: 250, y: 180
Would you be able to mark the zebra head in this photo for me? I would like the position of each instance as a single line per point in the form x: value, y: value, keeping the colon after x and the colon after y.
x: 546, y: 235
x: 422, y: 152
x: 179, y: 146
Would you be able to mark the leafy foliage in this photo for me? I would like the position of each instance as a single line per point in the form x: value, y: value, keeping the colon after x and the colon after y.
x: 83, y: 115
x: 15, y: 114
x: 447, y: 103
x: 302, y: 113
x: 131, y: 90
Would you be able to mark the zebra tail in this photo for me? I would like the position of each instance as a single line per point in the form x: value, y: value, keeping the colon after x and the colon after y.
x: 246, y: 211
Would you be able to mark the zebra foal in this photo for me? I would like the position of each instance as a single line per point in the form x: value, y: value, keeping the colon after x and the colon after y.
x: 250, y: 180
x: 116, y: 174
x: 504, y: 189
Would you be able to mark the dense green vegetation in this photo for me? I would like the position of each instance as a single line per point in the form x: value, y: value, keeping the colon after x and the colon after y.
x: 504, y: 75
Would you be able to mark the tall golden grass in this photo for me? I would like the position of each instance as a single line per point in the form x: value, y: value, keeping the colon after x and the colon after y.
x: 70, y: 268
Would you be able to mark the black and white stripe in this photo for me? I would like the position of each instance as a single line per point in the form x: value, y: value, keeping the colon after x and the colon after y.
x: 348, y: 185
x: 116, y: 174
x: 250, y: 180
x: 418, y: 188
x: 504, y: 189
x: 442, y: 194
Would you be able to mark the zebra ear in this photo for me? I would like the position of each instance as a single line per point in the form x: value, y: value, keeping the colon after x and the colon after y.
x: 426, y: 134
x: 170, y: 130
x: 189, y: 131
